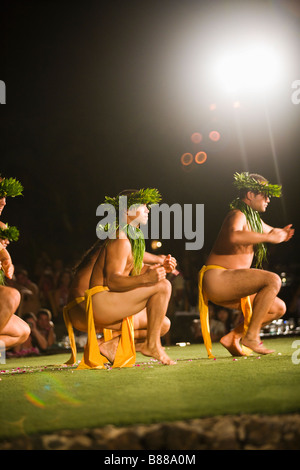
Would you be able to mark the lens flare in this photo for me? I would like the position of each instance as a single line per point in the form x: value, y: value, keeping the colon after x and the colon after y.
x: 196, y: 137
x: 35, y: 400
x: 214, y: 136
x: 200, y: 158
x: 186, y: 159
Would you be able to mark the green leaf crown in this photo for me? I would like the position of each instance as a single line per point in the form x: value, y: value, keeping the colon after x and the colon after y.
x: 147, y: 196
x: 9, y: 233
x: 243, y: 181
x: 10, y: 187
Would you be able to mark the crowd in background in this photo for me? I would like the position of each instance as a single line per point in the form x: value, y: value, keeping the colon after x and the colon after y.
x: 44, y: 293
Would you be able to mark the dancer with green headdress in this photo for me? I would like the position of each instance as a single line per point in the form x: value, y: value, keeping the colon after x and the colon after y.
x: 13, y: 330
x: 121, y: 286
x: 228, y: 279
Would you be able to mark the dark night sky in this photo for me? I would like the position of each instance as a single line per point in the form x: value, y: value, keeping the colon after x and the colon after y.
x: 103, y: 96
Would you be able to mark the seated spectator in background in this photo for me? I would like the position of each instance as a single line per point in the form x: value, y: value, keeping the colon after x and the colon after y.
x: 220, y: 324
x: 61, y: 293
x: 30, y: 301
x: 45, y: 326
x: 46, y: 289
x: 41, y: 334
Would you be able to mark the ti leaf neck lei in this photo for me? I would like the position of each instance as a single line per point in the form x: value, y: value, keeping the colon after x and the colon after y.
x: 137, y: 241
x: 255, y: 224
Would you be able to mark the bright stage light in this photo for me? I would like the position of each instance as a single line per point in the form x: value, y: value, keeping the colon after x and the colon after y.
x: 253, y: 67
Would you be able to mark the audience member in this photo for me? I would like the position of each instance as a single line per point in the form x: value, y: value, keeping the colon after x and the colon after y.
x: 45, y: 327
x: 61, y: 293
x: 30, y: 300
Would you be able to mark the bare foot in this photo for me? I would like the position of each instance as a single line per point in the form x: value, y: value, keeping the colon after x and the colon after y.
x: 157, y: 353
x: 109, y: 348
x: 256, y: 346
x: 232, y: 343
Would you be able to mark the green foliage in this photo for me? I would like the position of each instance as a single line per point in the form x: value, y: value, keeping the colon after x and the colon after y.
x: 147, y: 196
x: 9, y: 233
x: 10, y: 187
x: 244, y: 181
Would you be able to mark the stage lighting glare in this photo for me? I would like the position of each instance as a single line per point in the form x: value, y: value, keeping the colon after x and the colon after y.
x: 196, y: 137
x: 254, y: 68
x: 186, y: 159
x: 214, y: 136
x: 156, y: 244
x: 200, y: 158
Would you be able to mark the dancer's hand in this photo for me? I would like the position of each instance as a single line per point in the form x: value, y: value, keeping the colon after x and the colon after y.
x: 169, y: 264
x: 279, y: 235
x: 154, y: 274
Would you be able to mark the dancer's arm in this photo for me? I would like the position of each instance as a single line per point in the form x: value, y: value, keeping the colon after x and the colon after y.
x: 116, y: 268
x: 239, y: 235
x: 5, y: 261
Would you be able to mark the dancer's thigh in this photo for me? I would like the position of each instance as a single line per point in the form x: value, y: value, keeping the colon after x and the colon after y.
x: 227, y: 287
x: 111, y: 307
x: 15, y: 327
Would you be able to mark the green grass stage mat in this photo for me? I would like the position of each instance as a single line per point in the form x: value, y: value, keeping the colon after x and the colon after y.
x: 38, y: 395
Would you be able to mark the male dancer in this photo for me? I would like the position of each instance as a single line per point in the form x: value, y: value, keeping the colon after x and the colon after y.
x: 75, y: 309
x: 120, y: 286
x: 13, y: 330
x: 228, y: 279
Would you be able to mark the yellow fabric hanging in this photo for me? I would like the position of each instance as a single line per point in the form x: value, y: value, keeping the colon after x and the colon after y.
x: 204, y: 317
x: 126, y: 355
x: 92, y: 358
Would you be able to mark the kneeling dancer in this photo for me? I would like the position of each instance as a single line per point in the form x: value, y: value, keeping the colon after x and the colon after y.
x: 121, y: 287
x: 228, y: 280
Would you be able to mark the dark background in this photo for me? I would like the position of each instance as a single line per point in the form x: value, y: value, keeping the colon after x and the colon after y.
x: 103, y: 96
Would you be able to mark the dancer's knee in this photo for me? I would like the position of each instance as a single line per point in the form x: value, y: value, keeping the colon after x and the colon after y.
x: 280, y: 308
x: 273, y: 280
x: 12, y: 299
x: 164, y: 286
x: 21, y: 330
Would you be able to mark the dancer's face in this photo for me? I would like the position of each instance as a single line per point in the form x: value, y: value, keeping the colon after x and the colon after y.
x: 259, y: 202
x: 138, y: 215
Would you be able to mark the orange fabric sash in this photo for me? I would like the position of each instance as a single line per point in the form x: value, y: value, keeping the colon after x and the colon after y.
x: 203, y: 310
x: 92, y: 358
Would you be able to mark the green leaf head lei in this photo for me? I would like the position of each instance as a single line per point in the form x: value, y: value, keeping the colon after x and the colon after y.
x: 113, y: 205
x: 9, y: 233
x: 245, y: 182
x: 10, y: 187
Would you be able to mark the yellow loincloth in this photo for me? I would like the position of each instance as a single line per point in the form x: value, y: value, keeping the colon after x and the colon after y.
x: 203, y: 310
x: 92, y: 358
